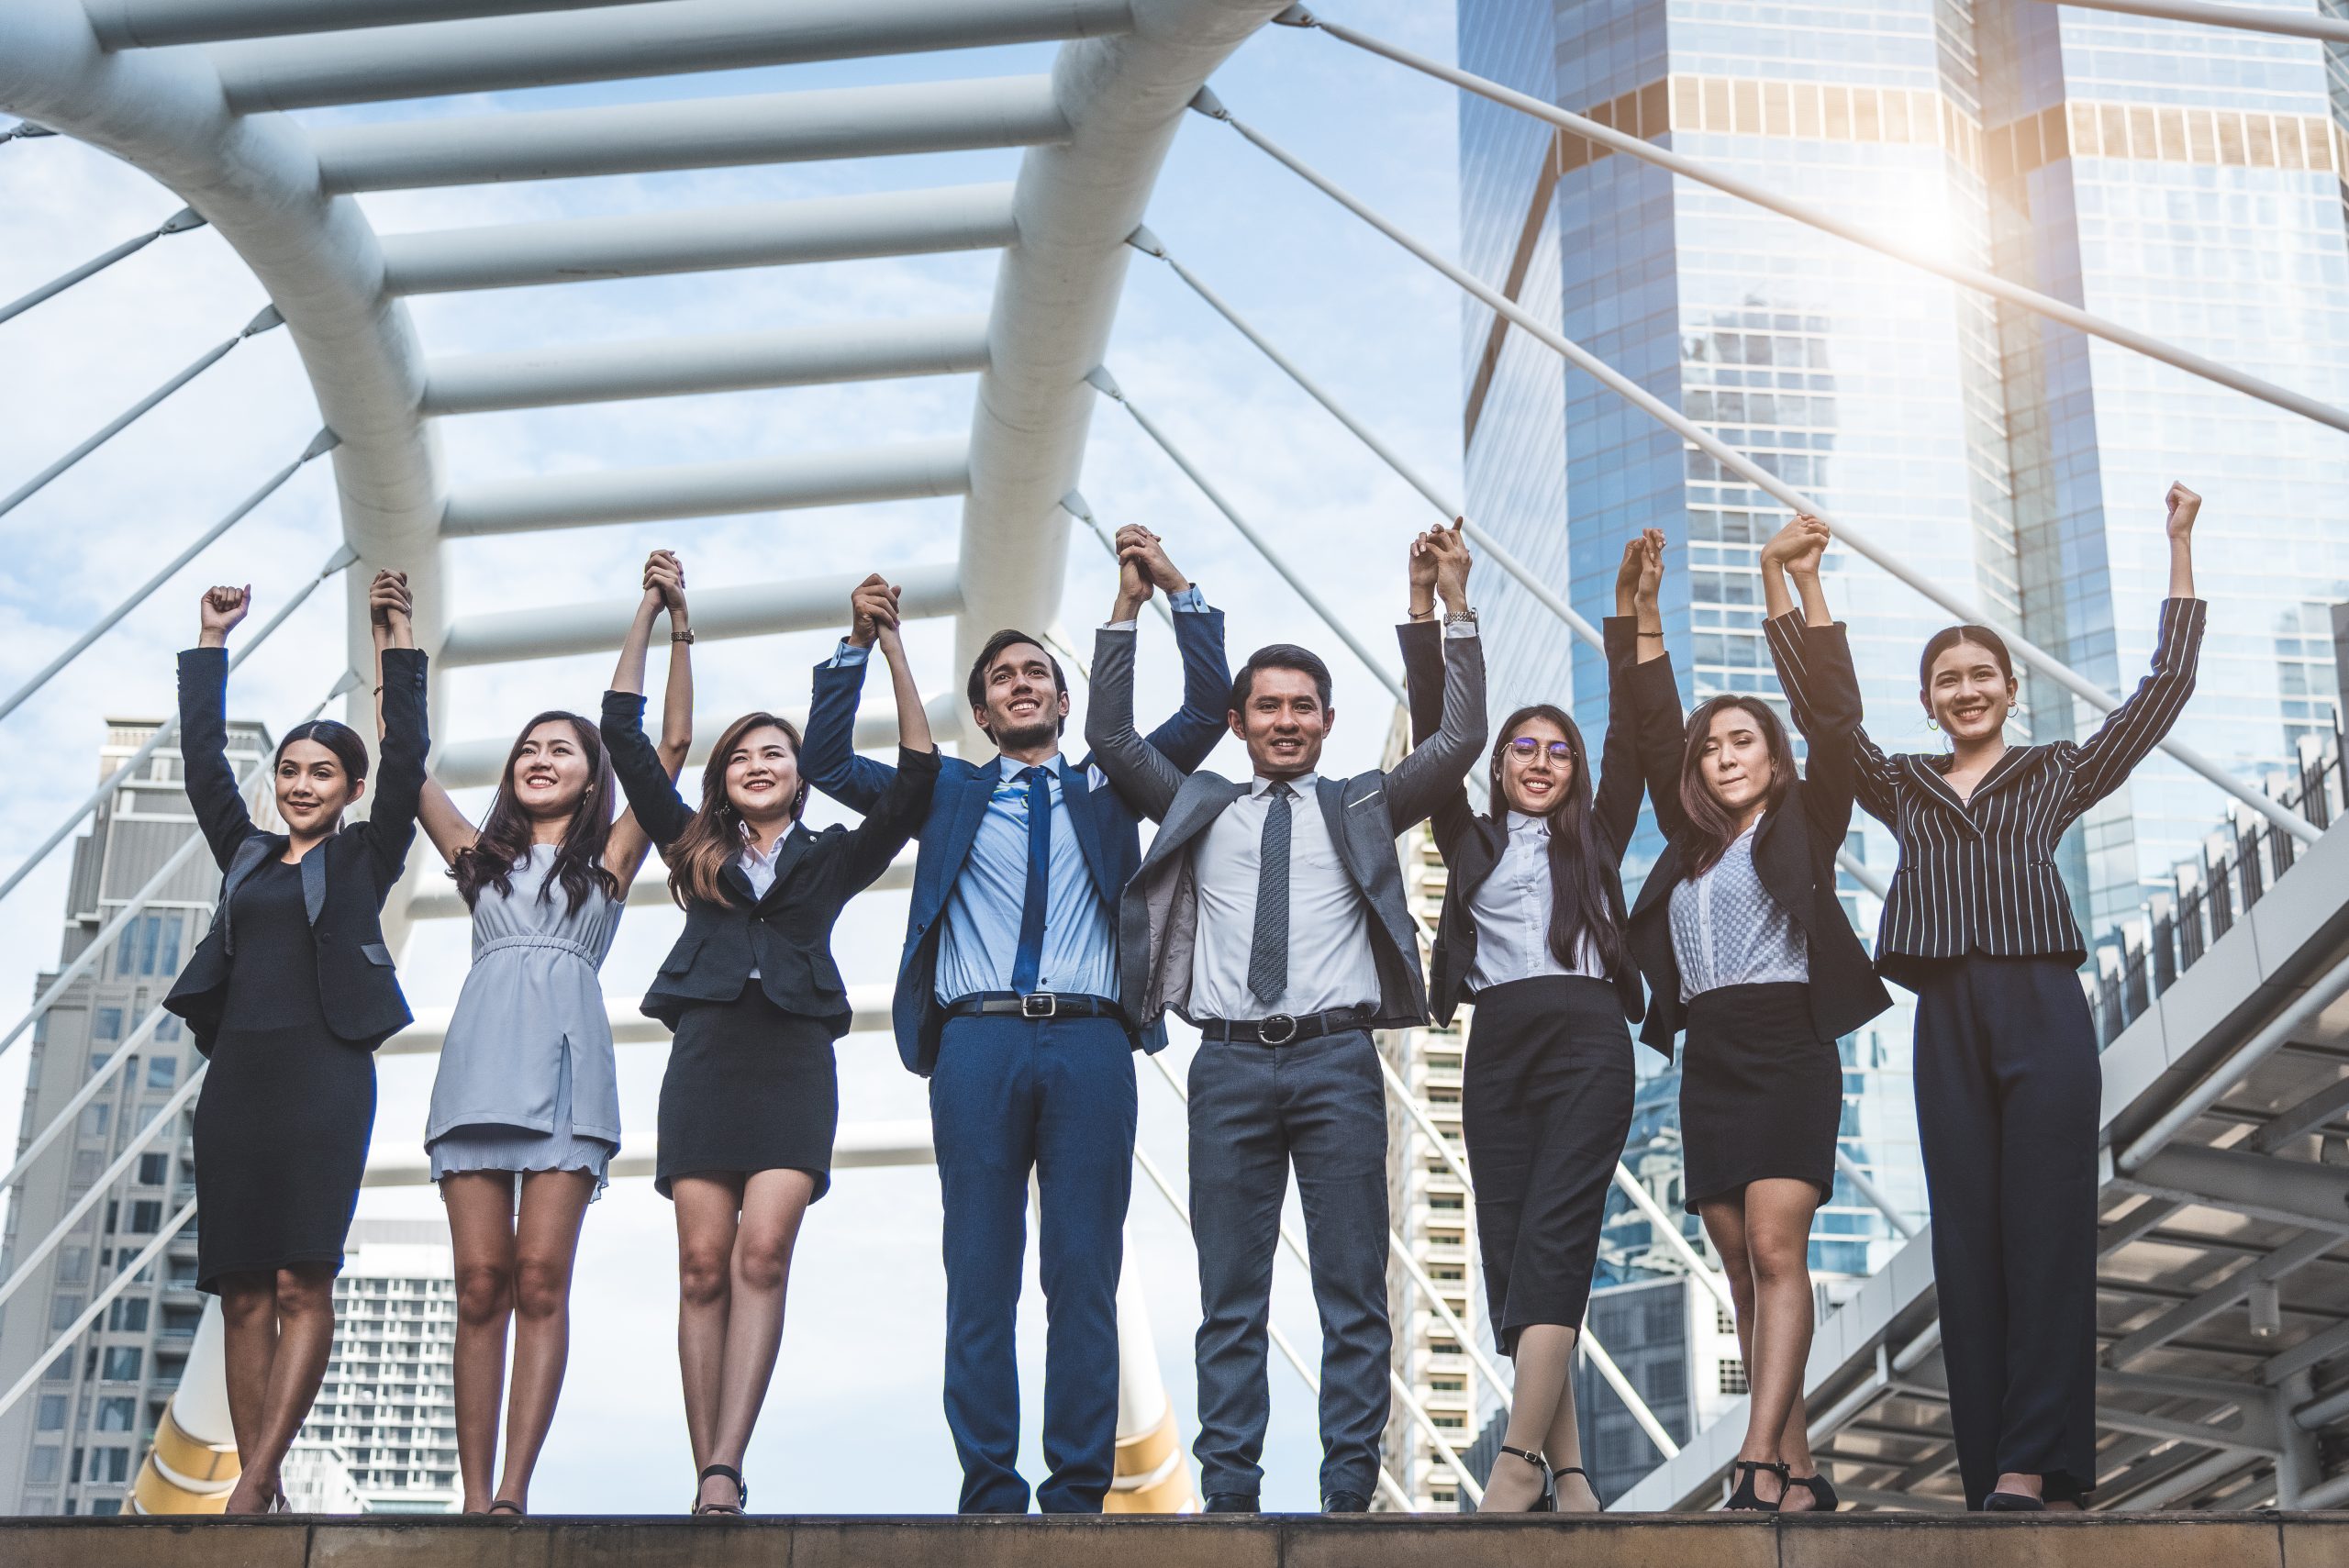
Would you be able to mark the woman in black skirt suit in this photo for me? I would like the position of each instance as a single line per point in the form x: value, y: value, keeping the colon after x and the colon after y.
x: 1745, y: 945
x: 288, y: 996
x: 2009, y: 1086
x: 1531, y: 932
x: 751, y: 1100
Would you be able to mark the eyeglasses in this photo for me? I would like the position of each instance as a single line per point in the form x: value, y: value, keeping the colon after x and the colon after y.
x: 1525, y: 748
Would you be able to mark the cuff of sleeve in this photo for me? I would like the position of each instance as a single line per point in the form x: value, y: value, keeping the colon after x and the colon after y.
x: 1190, y: 601
x: 1119, y: 625
x: 407, y: 664
x: 624, y: 708
x: 911, y: 760
x: 1458, y: 629
x: 847, y: 656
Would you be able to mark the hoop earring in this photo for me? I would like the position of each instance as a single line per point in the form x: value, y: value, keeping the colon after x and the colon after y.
x: 1932, y: 724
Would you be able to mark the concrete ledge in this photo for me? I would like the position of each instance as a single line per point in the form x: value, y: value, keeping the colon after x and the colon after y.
x: 1852, y: 1540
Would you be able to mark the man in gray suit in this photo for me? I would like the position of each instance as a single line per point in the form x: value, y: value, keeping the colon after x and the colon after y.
x: 1271, y: 914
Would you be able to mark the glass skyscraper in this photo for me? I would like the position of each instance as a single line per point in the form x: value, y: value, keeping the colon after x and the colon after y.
x: 2188, y: 182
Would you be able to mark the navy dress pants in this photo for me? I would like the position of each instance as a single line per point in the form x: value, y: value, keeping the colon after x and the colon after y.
x: 1255, y: 1110
x: 1055, y: 1096
x: 2009, y: 1090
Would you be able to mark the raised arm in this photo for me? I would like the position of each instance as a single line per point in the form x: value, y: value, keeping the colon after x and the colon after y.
x: 875, y: 841
x: 828, y: 757
x: 1192, y: 731
x: 651, y: 794
x: 210, y: 782
x: 1814, y: 655
x: 1135, y: 768
x: 1453, y: 816
x: 1416, y: 784
x: 2102, y: 762
x: 664, y: 593
x: 1642, y: 704
x: 406, y: 737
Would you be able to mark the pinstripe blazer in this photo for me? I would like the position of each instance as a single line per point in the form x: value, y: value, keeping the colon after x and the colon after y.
x: 1979, y: 875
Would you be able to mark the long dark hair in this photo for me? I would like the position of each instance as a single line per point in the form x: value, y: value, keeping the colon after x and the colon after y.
x: 505, y: 836
x: 714, y: 837
x: 1711, y: 828
x: 1579, y: 908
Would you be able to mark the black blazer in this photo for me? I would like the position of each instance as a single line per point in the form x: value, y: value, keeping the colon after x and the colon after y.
x: 787, y: 935
x: 1472, y: 845
x: 345, y: 879
x: 1794, y: 856
x: 1979, y: 874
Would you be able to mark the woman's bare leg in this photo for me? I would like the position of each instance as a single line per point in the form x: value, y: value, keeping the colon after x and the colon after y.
x: 304, y: 1341
x: 546, y: 1246
x: 249, y: 1344
x: 774, y: 1202
x: 1544, y: 1362
x: 707, y: 1209
x: 481, y: 1235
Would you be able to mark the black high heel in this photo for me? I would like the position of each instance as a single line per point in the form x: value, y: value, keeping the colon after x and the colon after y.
x: 1548, y: 1502
x: 506, y: 1505
x: 1745, y: 1498
x: 1560, y: 1506
x: 1822, y: 1492
x: 2012, y: 1503
x: 741, y: 1492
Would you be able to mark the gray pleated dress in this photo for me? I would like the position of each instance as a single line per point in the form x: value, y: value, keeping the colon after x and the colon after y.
x: 527, y: 1080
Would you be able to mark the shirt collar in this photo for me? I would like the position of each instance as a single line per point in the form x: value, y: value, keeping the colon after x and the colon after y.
x: 1012, y: 769
x: 1303, y: 783
x: 1520, y: 823
x: 751, y: 845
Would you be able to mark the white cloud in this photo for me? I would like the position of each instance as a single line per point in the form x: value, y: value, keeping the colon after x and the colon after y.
x: 853, y: 1422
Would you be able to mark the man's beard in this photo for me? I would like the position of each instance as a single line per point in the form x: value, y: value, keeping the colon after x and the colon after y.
x: 1035, y: 733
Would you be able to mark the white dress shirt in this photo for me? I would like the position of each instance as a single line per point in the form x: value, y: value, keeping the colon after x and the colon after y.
x: 1511, y: 910
x: 1728, y: 930
x: 1330, y: 960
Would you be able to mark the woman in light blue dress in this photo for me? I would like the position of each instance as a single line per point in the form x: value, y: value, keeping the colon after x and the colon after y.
x: 525, y: 1113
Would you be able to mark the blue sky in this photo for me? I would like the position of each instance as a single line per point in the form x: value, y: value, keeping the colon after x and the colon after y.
x: 853, y: 1422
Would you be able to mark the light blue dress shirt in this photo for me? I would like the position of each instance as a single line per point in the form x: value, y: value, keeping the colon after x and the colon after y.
x: 981, y: 937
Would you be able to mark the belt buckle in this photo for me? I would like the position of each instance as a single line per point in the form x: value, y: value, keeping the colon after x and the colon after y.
x: 1039, y: 1004
x: 1287, y: 1023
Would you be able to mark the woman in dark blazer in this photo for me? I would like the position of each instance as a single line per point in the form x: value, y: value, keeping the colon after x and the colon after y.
x: 2008, y: 1087
x: 750, y: 1099
x: 1532, y: 933
x: 1745, y: 945
x: 288, y: 996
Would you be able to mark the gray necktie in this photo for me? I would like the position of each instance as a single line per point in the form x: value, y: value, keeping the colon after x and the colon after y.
x: 1268, y: 949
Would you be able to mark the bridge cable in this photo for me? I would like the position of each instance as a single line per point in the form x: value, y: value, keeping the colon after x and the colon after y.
x: 266, y: 321
x: 25, y: 130
x: 324, y: 442
x: 2248, y: 18
x: 1752, y: 472
x: 1972, y: 278
x: 341, y: 557
x: 179, y: 222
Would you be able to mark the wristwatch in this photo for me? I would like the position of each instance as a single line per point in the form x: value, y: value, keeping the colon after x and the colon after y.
x: 685, y: 636
x: 1460, y: 617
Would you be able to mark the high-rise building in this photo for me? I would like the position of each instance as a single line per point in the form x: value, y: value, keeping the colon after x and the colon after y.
x: 73, y: 1444
x: 2185, y: 181
x: 387, y: 1414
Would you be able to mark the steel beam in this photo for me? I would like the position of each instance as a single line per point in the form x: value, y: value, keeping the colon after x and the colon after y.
x: 2297, y: 1121
x: 474, y: 764
x: 762, y: 609
x: 157, y: 24
x: 500, y: 53
x: 767, y: 234
x: 564, y: 373
x: 2304, y: 1249
x: 2294, y: 1192
x: 908, y: 470
x: 693, y: 133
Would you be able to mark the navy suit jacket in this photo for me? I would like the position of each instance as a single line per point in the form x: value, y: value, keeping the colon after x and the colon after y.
x: 1108, y: 827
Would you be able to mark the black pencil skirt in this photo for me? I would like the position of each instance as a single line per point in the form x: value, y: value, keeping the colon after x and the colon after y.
x: 749, y: 1087
x: 1760, y: 1094
x: 1545, y: 1105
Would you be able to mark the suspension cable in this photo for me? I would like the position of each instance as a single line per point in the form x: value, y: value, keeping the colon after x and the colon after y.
x: 97, y: 947
x: 1073, y: 503
x: 122, y: 1280
x: 267, y: 320
x: 1973, y: 278
x: 324, y: 442
x: 1148, y: 243
x: 179, y: 222
x: 2248, y: 18
x: 1752, y: 472
x: 25, y: 130
x: 341, y: 559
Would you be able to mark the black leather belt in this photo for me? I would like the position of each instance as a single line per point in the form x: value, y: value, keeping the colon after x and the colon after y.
x: 1282, y: 1029
x: 1036, y: 1005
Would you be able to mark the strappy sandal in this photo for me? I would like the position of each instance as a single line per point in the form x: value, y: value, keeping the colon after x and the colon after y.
x: 1548, y: 1502
x: 1822, y: 1492
x: 508, y: 1504
x: 741, y: 1492
x: 1559, y: 1507
x: 1745, y: 1499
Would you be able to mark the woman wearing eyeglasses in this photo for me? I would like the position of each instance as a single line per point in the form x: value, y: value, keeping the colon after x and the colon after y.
x: 1531, y: 934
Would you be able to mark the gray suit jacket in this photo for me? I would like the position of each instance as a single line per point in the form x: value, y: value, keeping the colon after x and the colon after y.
x: 1158, y: 915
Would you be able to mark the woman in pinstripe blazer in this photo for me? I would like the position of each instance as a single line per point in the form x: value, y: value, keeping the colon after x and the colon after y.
x: 1978, y: 923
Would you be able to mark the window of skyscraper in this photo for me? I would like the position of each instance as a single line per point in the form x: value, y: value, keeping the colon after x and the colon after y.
x: 51, y: 1416
x: 122, y: 1363
x: 62, y: 1310
x: 129, y: 1315
x: 117, y: 1415
x: 106, y: 1024
x: 162, y: 1071
x: 154, y: 1170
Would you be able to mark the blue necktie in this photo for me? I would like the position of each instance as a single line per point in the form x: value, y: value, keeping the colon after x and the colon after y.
x: 1030, y: 957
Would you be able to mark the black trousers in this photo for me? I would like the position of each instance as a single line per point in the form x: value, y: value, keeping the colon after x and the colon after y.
x: 2008, y: 1094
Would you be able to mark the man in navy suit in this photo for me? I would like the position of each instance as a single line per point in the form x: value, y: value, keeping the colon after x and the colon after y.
x: 1008, y: 1002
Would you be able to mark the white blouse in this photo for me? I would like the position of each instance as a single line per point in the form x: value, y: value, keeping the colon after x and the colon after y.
x: 1728, y: 930
x: 1511, y: 910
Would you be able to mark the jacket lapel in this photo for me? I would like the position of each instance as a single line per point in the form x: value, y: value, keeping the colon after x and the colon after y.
x: 793, y: 849
x: 1198, y: 803
x: 1662, y: 877
x: 314, y: 882
x: 1077, y: 811
x: 978, y: 789
x: 1929, y: 780
x: 2014, y: 764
